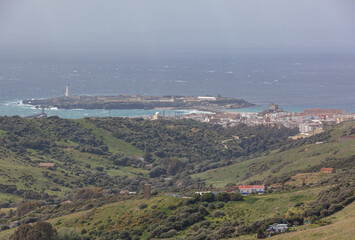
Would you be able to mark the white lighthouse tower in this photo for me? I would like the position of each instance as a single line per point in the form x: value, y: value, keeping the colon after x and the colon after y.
x: 67, y: 91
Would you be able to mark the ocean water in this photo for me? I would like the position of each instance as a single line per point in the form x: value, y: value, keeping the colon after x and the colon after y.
x: 294, y: 81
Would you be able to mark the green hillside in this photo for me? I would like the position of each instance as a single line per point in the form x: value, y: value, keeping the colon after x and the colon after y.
x: 96, y: 158
x: 339, y: 226
x: 143, y: 218
x: 302, y: 156
x: 116, y: 153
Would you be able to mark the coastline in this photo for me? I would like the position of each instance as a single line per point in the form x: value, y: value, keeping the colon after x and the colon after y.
x: 15, y: 107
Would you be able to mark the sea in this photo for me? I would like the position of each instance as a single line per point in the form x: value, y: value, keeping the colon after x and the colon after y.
x: 295, y: 81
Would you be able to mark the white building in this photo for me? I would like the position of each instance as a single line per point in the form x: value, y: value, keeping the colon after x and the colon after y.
x: 67, y: 91
x: 207, y: 98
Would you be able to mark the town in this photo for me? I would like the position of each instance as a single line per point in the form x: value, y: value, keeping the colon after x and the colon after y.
x: 309, y: 122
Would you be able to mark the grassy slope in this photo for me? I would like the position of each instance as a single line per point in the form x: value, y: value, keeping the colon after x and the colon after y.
x: 28, y: 176
x: 127, y: 213
x: 342, y: 227
x: 115, y: 145
x: 117, y: 216
x: 293, y: 159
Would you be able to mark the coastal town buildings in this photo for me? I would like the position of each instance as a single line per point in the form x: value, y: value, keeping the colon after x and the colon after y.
x: 309, y: 122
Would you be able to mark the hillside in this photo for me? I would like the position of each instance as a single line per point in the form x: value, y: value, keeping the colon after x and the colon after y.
x: 115, y: 153
x: 341, y: 226
x: 308, y: 155
x: 96, y: 158
x: 157, y: 216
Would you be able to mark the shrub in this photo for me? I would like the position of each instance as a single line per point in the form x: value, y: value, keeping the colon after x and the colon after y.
x: 3, y: 228
x: 225, y: 232
x: 223, y: 197
x: 218, y: 214
x: 211, y: 206
x: 169, y: 234
x: 100, y: 169
x: 220, y: 205
x: 143, y: 205
x: 37, y: 231
x: 69, y: 235
x: 205, y: 223
x: 237, y: 196
x: 25, y: 207
x: 208, y: 197
x: 88, y: 193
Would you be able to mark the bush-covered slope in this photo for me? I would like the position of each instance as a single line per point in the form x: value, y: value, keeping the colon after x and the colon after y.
x: 339, y: 226
x: 304, y: 155
x: 116, y: 153
x: 111, y: 154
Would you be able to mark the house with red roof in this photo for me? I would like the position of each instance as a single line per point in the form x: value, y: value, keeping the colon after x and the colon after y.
x: 247, y: 189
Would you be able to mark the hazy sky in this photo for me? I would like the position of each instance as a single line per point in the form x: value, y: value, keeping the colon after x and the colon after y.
x: 176, y: 24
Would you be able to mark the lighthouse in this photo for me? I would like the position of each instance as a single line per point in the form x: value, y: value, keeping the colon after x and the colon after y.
x: 67, y: 91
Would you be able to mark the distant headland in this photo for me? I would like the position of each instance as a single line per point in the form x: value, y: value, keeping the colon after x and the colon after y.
x: 139, y: 102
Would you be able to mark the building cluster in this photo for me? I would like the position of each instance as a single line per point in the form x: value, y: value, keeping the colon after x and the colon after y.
x: 309, y: 122
x: 243, y: 189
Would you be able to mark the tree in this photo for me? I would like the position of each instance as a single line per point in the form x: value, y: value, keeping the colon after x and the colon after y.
x: 38, y: 231
x: 237, y: 196
x: 207, y: 197
x: 261, y: 233
x: 223, y: 197
x: 25, y: 207
x: 88, y: 193
x: 172, y: 165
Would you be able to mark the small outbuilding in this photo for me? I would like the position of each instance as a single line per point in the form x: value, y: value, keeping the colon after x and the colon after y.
x: 277, y: 228
x: 124, y: 192
x: 47, y: 165
x: 327, y: 170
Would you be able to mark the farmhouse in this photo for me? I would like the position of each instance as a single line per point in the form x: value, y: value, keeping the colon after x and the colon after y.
x: 247, y: 189
x: 327, y: 170
x: 277, y: 228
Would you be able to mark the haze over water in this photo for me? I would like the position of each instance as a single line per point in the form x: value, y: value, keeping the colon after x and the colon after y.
x: 299, y: 54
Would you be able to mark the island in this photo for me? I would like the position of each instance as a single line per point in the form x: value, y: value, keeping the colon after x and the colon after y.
x: 140, y: 102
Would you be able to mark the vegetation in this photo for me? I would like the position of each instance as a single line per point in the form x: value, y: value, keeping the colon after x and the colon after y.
x: 278, y: 166
x: 96, y: 158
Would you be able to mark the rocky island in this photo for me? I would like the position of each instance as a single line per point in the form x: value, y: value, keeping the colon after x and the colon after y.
x: 140, y: 102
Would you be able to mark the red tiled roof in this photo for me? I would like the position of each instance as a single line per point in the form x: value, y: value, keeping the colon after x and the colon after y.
x: 250, y: 186
x: 326, y: 169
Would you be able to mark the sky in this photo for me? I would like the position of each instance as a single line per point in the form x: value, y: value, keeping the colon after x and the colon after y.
x: 177, y: 24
